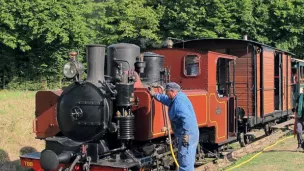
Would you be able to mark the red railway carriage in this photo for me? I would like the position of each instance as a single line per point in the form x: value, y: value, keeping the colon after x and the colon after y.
x: 262, y: 77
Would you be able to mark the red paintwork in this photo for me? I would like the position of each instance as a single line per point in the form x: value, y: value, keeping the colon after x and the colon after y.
x: 45, y: 124
x: 35, y: 165
x: 138, y: 83
x: 287, y: 82
x: 201, y: 91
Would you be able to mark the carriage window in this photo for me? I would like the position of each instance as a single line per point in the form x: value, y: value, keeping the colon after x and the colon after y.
x: 192, y: 65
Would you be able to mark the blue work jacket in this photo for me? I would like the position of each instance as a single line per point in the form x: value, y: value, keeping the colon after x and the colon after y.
x: 181, y: 114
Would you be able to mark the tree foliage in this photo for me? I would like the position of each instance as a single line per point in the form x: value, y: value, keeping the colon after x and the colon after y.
x: 36, y: 35
x: 125, y: 20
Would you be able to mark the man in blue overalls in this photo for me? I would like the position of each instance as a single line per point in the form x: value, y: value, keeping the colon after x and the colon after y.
x: 184, y: 124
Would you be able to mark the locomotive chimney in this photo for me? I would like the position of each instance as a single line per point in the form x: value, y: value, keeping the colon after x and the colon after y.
x: 95, y: 60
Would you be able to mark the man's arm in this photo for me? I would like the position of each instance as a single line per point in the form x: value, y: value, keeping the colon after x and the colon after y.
x: 162, y: 98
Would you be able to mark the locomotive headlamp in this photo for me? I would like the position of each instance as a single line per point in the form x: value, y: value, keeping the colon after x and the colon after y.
x: 73, y: 68
x: 69, y: 70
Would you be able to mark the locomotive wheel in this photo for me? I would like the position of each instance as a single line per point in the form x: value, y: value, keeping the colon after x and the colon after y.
x: 267, y: 129
x: 241, y: 139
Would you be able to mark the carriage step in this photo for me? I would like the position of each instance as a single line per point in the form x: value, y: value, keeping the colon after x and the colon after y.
x: 284, y: 124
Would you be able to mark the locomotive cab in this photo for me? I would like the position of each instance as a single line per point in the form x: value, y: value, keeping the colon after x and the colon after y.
x: 208, y: 80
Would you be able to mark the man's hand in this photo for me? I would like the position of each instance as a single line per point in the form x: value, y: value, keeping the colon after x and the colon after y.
x: 151, y: 91
x: 186, y: 140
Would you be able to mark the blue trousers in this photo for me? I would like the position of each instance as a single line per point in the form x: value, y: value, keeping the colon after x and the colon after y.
x: 186, y: 155
x: 300, y: 127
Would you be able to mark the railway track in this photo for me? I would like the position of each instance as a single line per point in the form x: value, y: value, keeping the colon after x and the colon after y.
x: 228, y: 158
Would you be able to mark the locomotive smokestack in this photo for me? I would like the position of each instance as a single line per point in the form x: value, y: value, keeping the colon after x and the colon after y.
x: 95, y: 61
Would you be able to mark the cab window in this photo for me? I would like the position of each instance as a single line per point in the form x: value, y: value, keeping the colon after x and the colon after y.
x: 192, y: 65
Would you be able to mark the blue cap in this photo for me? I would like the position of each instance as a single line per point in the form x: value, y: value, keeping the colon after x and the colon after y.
x: 173, y: 86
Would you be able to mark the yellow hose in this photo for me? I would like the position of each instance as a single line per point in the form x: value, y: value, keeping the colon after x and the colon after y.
x: 168, y: 129
x: 172, y: 152
x: 258, y: 153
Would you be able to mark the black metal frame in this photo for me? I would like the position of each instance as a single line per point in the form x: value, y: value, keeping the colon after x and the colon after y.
x: 281, y: 93
x: 262, y: 82
x: 269, y: 117
x: 254, y: 82
x: 287, y: 80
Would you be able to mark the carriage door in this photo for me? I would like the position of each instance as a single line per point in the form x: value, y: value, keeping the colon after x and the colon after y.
x: 224, y: 82
x: 278, y: 98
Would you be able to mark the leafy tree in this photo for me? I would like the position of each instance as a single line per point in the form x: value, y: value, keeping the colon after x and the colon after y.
x: 37, y: 35
x: 286, y: 23
x: 125, y: 21
x: 184, y: 19
x: 207, y: 18
x: 37, y: 30
x: 23, y: 23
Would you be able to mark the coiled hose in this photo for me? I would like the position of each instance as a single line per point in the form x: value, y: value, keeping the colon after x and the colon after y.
x: 168, y: 128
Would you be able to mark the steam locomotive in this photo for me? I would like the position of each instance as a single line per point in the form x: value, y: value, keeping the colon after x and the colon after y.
x: 109, y: 122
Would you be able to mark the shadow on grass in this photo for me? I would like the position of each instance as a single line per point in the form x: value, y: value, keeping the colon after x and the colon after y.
x: 7, y: 165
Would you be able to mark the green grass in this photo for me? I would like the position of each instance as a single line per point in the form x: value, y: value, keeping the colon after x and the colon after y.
x: 17, y: 112
x: 281, y: 157
x: 235, y: 145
